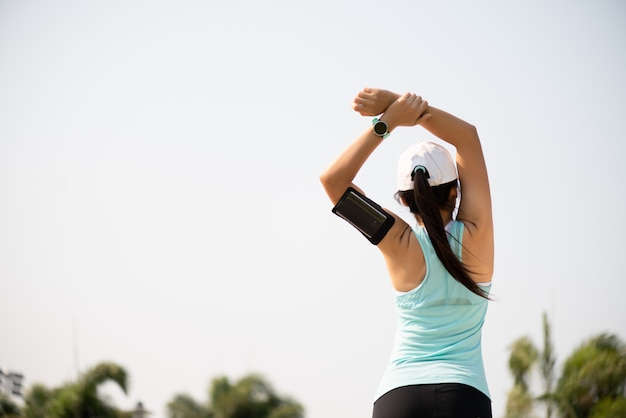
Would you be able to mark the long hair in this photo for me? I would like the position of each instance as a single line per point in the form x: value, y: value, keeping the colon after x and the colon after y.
x: 427, y: 201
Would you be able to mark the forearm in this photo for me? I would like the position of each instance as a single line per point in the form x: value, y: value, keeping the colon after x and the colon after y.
x: 407, y: 110
x: 372, y: 102
x: 450, y: 128
x: 464, y: 137
x: 340, y: 174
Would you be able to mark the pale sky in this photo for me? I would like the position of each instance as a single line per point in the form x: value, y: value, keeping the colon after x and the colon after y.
x: 160, y: 204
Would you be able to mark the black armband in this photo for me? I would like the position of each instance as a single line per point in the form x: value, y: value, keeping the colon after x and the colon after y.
x: 364, y: 214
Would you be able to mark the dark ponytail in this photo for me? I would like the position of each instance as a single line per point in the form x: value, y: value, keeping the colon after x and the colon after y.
x: 427, y: 201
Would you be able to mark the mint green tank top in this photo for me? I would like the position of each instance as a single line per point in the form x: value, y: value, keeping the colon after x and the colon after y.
x: 438, y: 330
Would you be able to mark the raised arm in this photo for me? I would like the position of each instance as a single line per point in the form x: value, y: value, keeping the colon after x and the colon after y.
x: 406, y: 110
x: 475, y: 205
x: 475, y: 208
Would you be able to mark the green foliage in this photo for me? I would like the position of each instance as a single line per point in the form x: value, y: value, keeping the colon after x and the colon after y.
x: 64, y: 403
x: 184, y: 406
x: 519, y: 403
x: 523, y: 357
x: 609, y: 408
x: 36, y: 401
x: 289, y: 409
x: 592, y: 383
x: 77, y: 399
x: 250, y: 397
x: 102, y: 373
x: 594, y: 372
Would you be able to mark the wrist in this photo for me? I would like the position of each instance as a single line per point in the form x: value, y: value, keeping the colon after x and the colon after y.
x: 380, y: 128
x: 389, y: 97
x: 389, y: 120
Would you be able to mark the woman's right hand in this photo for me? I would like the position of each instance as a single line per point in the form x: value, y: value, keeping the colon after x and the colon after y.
x: 408, y: 110
x: 373, y: 102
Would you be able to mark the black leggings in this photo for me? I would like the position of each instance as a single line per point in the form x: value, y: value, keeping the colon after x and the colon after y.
x: 445, y: 400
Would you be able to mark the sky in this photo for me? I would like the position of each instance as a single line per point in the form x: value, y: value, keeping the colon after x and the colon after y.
x: 160, y: 204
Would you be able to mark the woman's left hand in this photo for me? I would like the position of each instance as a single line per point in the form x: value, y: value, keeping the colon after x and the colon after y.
x: 408, y: 110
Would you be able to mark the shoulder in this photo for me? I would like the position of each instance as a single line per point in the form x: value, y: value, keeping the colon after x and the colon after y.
x: 403, y: 256
x: 398, y: 237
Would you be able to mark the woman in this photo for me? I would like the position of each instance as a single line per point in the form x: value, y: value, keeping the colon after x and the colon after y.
x: 441, y: 269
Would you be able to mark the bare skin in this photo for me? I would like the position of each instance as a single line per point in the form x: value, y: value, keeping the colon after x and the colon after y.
x: 400, y: 248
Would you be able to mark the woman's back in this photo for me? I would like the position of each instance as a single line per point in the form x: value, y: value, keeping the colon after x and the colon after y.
x: 438, y: 330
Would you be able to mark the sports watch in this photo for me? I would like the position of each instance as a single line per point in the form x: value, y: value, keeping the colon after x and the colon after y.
x: 380, y: 128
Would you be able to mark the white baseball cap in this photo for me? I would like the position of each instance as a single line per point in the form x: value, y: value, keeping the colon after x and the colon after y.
x: 433, y: 157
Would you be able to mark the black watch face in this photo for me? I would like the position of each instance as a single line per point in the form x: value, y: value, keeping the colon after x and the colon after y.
x: 380, y: 128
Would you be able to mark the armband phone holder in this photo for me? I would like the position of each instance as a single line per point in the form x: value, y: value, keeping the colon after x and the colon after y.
x: 364, y: 214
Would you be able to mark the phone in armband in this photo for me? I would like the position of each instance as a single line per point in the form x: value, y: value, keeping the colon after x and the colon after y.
x: 364, y: 214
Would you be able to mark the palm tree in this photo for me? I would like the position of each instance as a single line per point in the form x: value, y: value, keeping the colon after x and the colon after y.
x: 523, y: 358
x: 78, y: 399
x: 609, y: 408
x: 36, y: 401
x: 184, y: 406
x: 250, y: 397
x: 593, y: 381
x: 519, y: 403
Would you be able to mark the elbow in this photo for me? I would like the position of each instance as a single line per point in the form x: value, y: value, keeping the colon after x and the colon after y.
x: 327, y: 181
x: 333, y: 189
x: 473, y: 131
x: 330, y: 179
x: 470, y: 133
x: 324, y: 177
